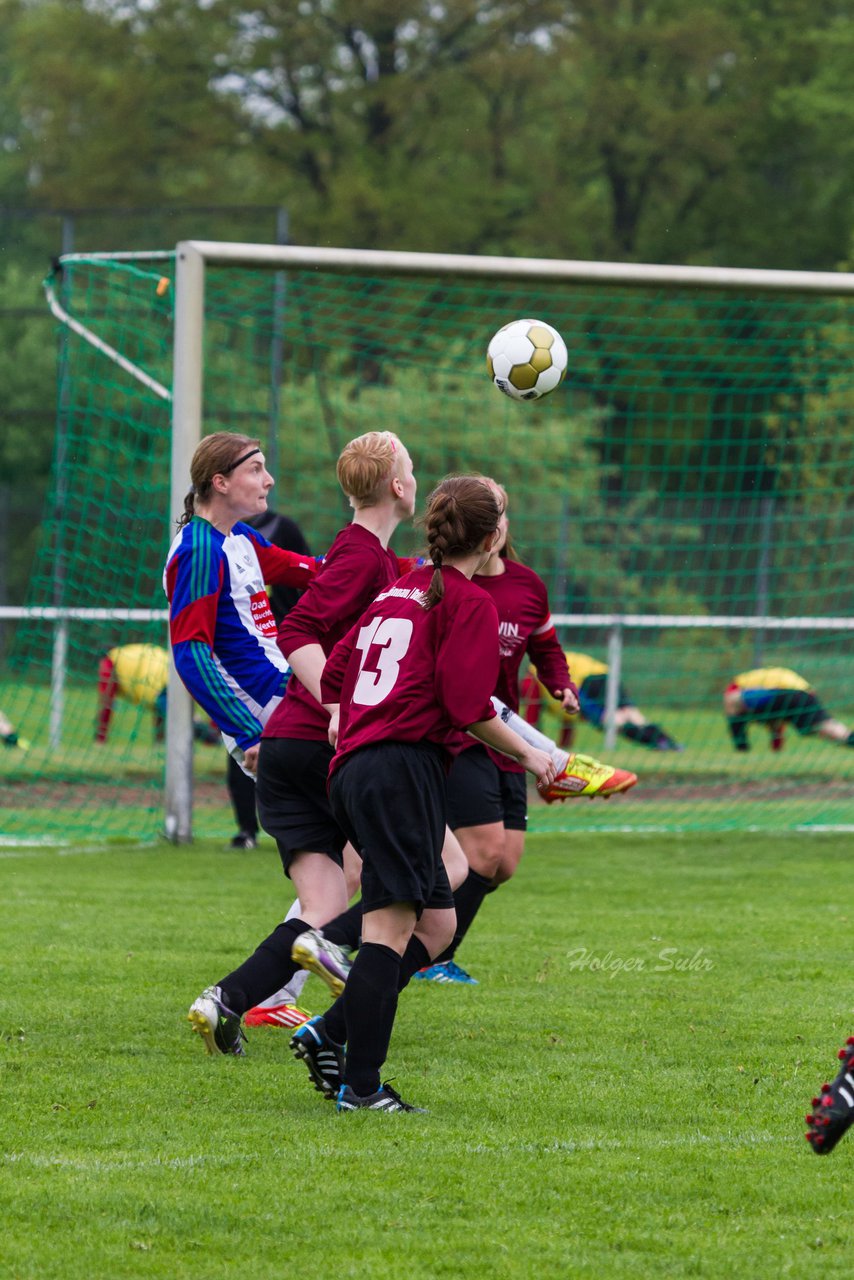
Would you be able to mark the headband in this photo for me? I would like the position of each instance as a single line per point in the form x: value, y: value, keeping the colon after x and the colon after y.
x: 225, y: 470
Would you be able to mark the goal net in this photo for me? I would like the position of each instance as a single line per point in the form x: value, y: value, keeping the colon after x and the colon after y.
x: 686, y: 495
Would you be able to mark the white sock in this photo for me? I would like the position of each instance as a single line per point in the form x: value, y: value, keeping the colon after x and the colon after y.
x: 532, y: 736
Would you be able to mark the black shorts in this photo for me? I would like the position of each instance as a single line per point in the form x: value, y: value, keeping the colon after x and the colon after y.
x: 391, y: 800
x: 480, y: 793
x: 293, y: 806
x: 802, y: 710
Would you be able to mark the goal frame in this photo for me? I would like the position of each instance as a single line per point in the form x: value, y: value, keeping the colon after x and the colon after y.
x: 191, y: 259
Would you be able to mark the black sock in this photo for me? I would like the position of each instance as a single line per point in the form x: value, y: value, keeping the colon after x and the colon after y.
x: 415, y: 957
x: 370, y: 1003
x: 242, y: 792
x: 738, y: 730
x: 467, y: 901
x: 647, y: 734
x: 269, y: 967
x: 335, y: 1021
x: 346, y: 930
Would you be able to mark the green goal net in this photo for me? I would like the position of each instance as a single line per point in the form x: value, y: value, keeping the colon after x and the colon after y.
x: 686, y: 495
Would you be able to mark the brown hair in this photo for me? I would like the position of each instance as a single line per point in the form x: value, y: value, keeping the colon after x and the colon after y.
x: 508, y: 551
x: 366, y: 464
x: 461, y: 512
x: 215, y: 455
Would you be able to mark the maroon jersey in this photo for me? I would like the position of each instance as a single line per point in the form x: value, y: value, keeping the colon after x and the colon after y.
x: 404, y: 673
x: 524, y: 628
x: 355, y: 570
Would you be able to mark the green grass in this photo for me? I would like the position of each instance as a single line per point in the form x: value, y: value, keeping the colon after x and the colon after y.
x: 624, y: 1091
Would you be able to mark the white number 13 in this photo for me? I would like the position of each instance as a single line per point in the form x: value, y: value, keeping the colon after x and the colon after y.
x: 391, y: 636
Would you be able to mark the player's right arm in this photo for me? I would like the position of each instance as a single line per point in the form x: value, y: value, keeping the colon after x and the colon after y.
x: 193, y: 580
x: 332, y: 680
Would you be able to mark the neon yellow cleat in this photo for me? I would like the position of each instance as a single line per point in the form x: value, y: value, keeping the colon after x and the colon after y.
x: 584, y: 776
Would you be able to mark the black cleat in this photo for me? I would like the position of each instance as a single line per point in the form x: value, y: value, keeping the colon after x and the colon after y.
x: 324, y: 1058
x: 385, y: 1099
x: 833, y: 1111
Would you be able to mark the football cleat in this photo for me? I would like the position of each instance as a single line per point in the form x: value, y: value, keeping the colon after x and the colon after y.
x: 446, y: 971
x: 218, y: 1025
x: 584, y: 776
x: 324, y: 1058
x: 833, y: 1111
x: 244, y: 840
x: 385, y: 1099
x: 276, y: 1015
x: 313, y: 952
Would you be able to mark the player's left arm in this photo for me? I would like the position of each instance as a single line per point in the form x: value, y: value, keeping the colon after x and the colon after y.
x: 496, y: 734
x: 283, y: 568
x: 548, y: 657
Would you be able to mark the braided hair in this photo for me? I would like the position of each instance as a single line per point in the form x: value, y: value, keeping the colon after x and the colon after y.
x: 461, y: 512
x: 215, y: 455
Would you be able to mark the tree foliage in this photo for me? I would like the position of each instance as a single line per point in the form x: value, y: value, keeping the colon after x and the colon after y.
x: 627, y: 130
x: 664, y: 130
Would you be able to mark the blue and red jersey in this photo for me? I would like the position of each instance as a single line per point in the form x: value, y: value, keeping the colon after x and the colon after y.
x: 221, y: 626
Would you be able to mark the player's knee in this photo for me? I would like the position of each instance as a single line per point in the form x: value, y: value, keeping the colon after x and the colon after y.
x: 486, y: 861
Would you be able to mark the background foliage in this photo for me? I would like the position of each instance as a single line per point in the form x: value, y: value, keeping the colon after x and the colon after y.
x: 636, y: 130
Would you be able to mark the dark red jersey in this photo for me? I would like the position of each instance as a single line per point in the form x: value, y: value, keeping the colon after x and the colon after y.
x: 357, y: 567
x: 404, y: 673
x: 524, y: 628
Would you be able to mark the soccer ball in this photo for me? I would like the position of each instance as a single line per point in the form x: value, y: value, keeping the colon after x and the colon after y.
x: 526, y: 359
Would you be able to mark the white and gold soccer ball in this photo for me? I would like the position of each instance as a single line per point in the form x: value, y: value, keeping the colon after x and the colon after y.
x: 526, y: 359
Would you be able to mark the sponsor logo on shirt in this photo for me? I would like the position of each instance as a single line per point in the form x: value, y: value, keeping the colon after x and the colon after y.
x: 262, y: 614
x: 509, y: 638
x: 406, y: 593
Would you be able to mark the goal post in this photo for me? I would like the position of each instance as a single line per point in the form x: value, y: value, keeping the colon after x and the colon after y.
x: 685, y: 494
x: 187, y: 398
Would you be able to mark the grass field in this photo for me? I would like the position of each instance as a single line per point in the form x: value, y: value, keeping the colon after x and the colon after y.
x: 624, y: 1090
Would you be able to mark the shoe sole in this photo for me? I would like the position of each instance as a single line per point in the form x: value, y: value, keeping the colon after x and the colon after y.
x: 308, y: 960
x: 201, y: 1025
x: 614, y: 791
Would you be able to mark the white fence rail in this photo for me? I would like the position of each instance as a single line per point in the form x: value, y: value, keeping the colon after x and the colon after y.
x: 616, y: 624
